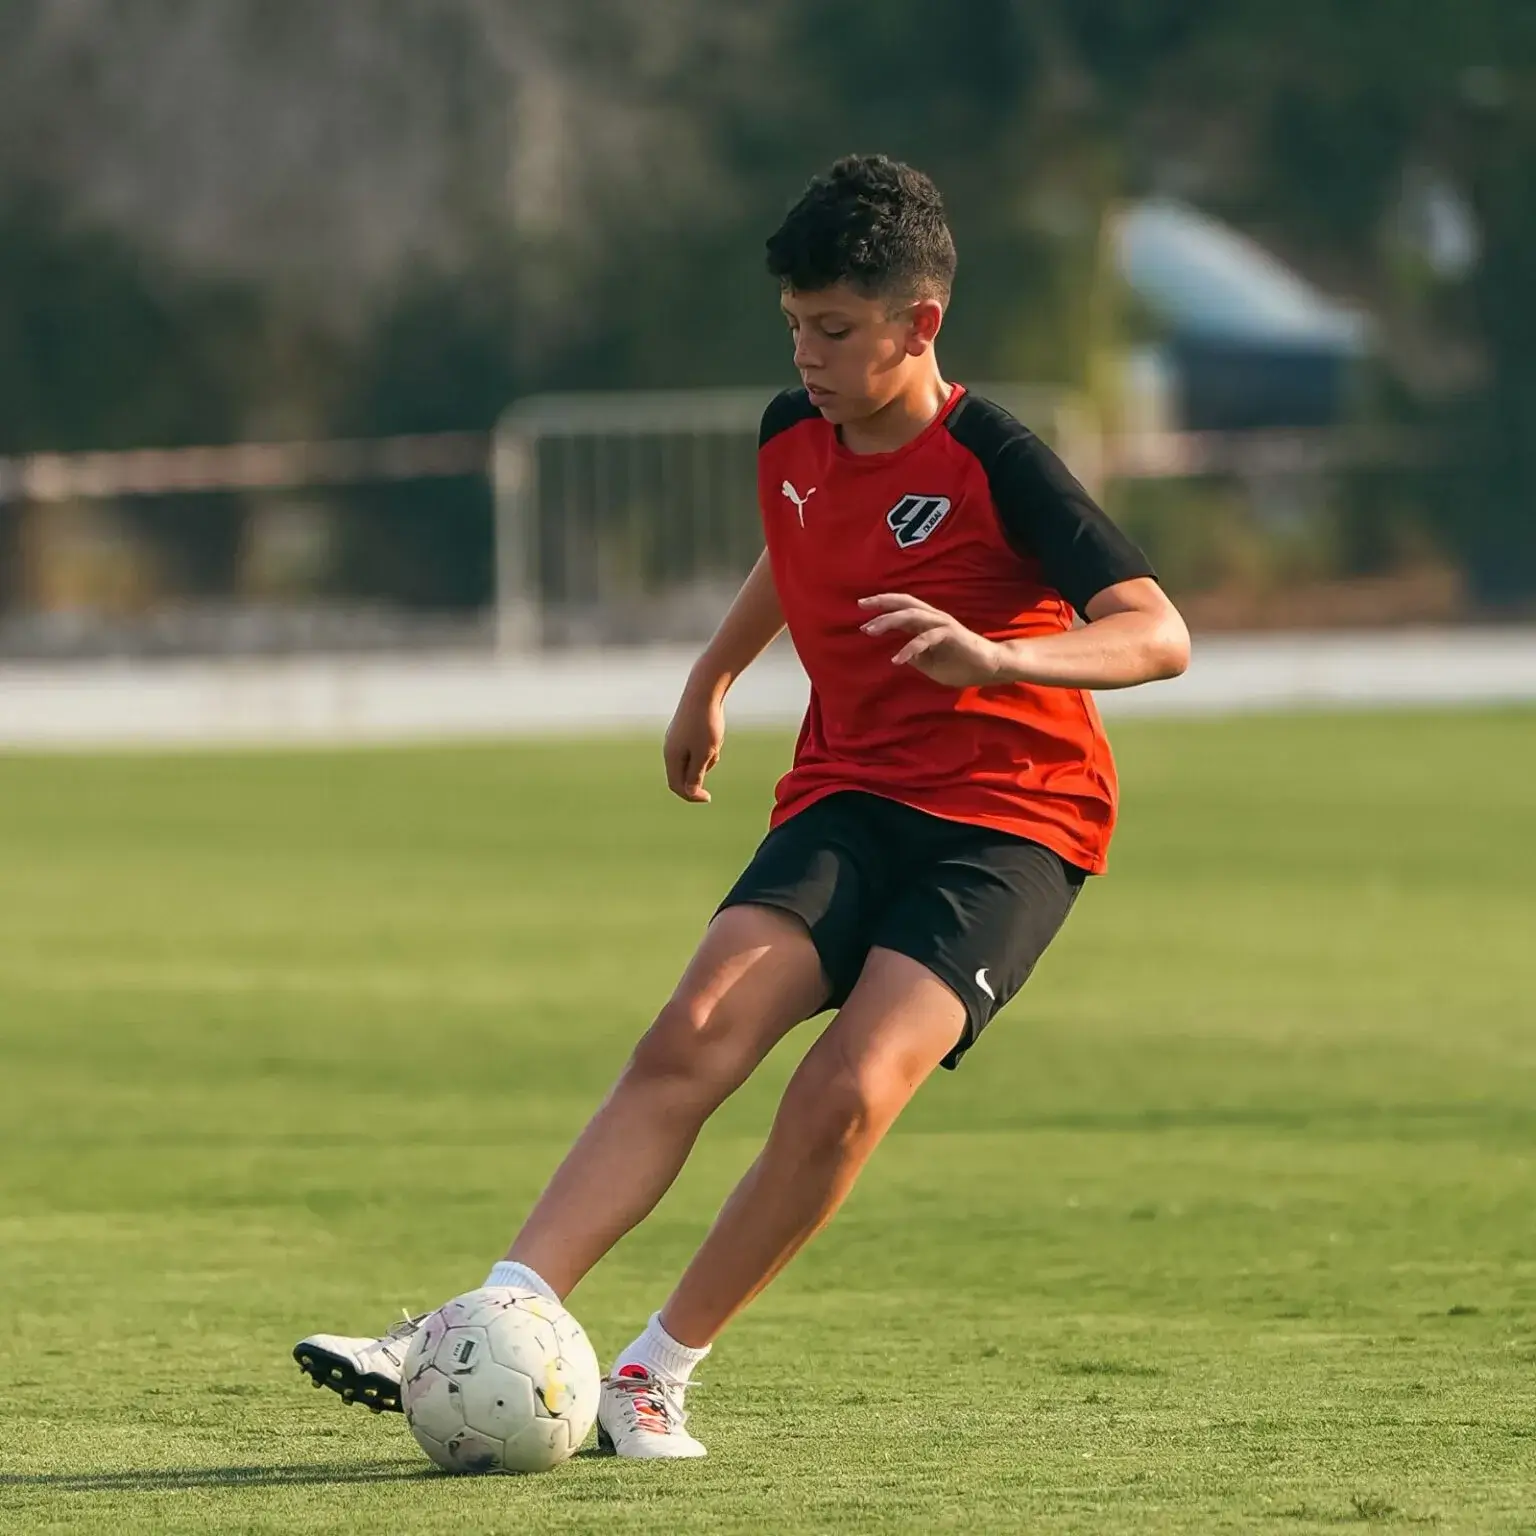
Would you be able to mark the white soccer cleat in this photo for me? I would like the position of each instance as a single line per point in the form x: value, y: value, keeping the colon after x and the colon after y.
x: 363, y: 1371
x: 641, y: 1415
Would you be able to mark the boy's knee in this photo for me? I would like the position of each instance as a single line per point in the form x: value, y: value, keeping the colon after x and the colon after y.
x: 688, y: 1049
x: 832, y: 1113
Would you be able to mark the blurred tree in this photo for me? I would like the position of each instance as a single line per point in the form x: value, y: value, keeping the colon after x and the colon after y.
x: 99, y: 348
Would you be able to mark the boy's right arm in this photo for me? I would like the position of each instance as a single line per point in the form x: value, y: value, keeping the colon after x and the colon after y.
x: 694, y: 738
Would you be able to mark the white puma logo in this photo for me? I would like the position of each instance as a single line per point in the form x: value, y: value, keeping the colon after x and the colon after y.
x: 798, y: 499
x: 984, y: 984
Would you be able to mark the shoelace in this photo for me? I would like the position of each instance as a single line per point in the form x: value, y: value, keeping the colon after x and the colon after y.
x: 658, y: 1404
x: 400, y: 1334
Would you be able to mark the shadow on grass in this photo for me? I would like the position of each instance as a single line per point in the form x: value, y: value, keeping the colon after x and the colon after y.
x: 236, y: 1477
x: 218, y: 1477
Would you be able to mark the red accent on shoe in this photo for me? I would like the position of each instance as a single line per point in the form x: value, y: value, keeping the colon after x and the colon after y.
x: 650, y: 1406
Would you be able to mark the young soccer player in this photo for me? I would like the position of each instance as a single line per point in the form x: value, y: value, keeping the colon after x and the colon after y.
x: 951, y: 787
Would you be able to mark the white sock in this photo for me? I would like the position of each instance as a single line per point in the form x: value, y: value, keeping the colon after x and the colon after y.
x: 661, y: 1354
x: 508, y: 1273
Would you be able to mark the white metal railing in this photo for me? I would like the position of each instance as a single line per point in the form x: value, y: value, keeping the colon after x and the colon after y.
x: 631, y: 517
x: 623, y: 517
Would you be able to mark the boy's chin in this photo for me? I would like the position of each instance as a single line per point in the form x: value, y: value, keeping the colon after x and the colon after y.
x: 839, y: 410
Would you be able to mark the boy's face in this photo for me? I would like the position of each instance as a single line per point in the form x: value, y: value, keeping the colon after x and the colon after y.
x: 855, y: 354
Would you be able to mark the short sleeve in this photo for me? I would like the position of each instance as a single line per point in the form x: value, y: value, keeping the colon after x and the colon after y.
x: 1045, y: 512
x: 785, y: 410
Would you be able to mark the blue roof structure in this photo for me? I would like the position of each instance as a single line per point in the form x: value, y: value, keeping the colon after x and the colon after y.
x: 1206, y: 282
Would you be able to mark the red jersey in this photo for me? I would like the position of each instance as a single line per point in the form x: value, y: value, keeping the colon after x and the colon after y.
x: 979, y: 518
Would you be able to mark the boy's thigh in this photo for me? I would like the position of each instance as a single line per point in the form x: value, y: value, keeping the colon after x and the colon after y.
x: 755, y: 967
x: 979, y: 917
x: 754, y: 976
x: 896, y: 1026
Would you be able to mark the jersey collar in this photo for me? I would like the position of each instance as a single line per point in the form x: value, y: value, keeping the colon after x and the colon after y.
x: 879, y: 460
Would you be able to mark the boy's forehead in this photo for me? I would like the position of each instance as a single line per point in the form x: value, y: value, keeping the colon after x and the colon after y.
x: 821, y: 301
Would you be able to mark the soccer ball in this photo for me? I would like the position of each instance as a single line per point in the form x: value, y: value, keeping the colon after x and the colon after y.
x: 500, y: 1380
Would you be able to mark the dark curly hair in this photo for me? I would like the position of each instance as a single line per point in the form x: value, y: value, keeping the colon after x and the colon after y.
x: 871, y: 222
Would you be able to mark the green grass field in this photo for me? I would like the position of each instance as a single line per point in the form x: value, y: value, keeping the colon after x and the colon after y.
x: 1228, y: 1225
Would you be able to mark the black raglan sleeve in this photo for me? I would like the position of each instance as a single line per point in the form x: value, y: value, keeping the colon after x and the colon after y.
x: 784, y: 411
x: 1045, y: 513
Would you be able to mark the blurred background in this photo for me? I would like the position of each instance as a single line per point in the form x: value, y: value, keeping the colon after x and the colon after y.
x: 439, y: 327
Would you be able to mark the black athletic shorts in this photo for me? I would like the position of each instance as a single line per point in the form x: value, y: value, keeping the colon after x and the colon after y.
x: 975, y: 906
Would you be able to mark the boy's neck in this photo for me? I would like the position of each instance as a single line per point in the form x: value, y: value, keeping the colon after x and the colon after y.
x: 906, y: 416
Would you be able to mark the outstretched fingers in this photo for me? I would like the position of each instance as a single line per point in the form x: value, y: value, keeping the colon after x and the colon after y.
x: 920, y: 646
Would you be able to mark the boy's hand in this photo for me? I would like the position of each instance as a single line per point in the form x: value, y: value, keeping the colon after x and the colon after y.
x: 940, y: 647
x: 692, y: 744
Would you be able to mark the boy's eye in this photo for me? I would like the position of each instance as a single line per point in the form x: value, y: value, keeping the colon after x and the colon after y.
x: 834, y: 335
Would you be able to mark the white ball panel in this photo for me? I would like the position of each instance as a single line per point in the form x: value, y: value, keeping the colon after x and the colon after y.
x: 461, y: 1352
x: 437, y: 1452
x: 424, y: 1342
x: 434, y: 1410
x: 524, y: 1343
x: 498, y: 1401
x: 469, y: 1451
x: 482, y: 1307
x: 543, y: 1444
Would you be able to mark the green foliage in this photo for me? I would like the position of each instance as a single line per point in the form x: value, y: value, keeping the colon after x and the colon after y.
x: 100, y: 350
x: 1209, y: 533
x: 1224, y: 1228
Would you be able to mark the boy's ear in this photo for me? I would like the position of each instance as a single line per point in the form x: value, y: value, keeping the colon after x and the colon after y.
x: 927, y: 315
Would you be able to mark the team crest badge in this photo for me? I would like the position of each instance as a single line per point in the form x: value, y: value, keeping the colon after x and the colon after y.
x: 914, y: 518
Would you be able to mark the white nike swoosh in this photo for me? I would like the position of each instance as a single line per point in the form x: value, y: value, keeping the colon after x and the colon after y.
x: 984, y: 984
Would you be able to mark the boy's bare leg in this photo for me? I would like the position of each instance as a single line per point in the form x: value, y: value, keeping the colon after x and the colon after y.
x: 755, y: 976
x: 896, y: 1027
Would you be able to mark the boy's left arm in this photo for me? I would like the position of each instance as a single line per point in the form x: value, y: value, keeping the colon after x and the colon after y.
x: 1134, y: 635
